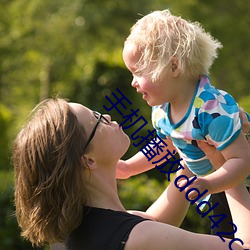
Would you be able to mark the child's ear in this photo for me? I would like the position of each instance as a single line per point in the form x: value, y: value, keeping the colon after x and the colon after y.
x: 175, y: 66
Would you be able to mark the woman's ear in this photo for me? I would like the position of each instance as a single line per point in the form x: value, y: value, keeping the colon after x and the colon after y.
x: 89, y: 161
x: 175, y: 66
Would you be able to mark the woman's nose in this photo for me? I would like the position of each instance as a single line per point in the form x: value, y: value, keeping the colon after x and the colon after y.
x: 108, y: 117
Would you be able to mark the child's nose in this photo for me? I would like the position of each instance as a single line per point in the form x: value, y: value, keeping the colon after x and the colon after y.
x: 134, y: 83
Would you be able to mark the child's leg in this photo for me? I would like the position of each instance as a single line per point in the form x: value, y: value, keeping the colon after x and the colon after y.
x: 222, y: 208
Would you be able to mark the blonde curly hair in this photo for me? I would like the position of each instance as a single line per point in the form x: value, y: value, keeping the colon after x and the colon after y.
x: 49, y: 181
x: 160, y: 36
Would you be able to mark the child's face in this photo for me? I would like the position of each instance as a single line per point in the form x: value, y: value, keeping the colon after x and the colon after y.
x: 154, y: 93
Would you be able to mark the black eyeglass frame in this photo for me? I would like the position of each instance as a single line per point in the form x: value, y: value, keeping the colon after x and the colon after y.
x: 100, y: 118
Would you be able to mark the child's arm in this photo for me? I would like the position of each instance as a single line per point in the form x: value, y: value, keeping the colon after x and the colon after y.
x: 139, y: 163
x: 233, y: 172
x: 135, y: 165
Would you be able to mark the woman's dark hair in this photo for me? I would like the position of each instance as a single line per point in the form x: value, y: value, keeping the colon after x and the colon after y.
x: 49, y: 180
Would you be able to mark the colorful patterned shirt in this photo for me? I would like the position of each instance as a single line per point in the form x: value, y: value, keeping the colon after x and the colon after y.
x: 213, y: 115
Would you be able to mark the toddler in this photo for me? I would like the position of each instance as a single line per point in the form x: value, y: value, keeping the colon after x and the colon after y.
x: 170, y: 59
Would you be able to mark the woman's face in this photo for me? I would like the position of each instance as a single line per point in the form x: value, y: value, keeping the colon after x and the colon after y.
x: 109, y: 140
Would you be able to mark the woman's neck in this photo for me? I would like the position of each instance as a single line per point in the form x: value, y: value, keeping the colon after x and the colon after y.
x: 102, y: 190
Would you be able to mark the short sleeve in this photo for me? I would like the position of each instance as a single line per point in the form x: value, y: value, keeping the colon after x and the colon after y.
x: 218, y: 118
x: 159, y: 121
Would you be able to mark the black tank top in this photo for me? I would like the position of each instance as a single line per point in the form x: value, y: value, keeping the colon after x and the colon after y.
x: 102, y: 229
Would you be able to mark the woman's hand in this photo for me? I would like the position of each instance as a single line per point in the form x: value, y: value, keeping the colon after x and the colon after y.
x: 214, y: 156
x: 245, y: 124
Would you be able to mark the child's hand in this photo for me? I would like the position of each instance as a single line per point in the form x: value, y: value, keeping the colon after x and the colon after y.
x: 200, y: 183
x: 122, y: 170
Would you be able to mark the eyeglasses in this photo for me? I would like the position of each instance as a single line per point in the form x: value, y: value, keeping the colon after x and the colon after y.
x: 100, y: 118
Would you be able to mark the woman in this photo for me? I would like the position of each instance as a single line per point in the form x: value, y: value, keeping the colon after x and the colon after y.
x: 65, y: 188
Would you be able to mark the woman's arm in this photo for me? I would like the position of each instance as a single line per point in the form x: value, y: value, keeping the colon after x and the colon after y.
x: 239, y: 203
x: 171, y: 207
x: 160, y: 236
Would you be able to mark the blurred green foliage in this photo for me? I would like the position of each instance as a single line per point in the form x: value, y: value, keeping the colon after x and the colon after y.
x: 72, y: 48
